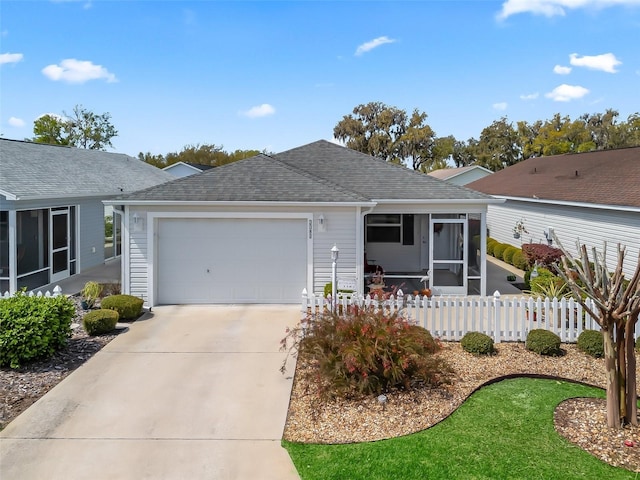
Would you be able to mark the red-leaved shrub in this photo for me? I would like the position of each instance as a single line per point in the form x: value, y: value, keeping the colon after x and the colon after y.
x: 540, y: 254
x: 366, y: 352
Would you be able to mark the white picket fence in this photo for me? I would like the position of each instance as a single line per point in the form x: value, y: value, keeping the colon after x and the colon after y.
x: 507, y: 319
x: 57, y: 291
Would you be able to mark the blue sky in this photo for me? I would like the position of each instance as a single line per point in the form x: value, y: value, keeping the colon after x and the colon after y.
x: 276, y: 75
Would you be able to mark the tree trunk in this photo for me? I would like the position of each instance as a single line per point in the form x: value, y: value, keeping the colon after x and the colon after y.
x: 613, y: 384
x: 631, y: 416
x: 621, y: 366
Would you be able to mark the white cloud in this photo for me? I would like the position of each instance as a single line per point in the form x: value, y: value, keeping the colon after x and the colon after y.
x: 10, y: 58
x: 71, y: 70
x: 607, y: 62
x: 529, y: 96
x: 16, y: 122
x: 375, y: 43
x: 566, y: 93
x: 551, y: 8
x: 500, y: 106
x: 263, y: 110
x: 561, y: 70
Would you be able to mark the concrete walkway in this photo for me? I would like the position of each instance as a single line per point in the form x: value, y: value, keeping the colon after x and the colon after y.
x: 188, y: 392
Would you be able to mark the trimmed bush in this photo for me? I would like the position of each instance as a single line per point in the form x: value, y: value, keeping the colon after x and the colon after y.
x: 364, y: 352
x: 491, y: 243
x: 543, y: 342
x: 127, y: 306
x: 499, y: 249
x: 477, y: 343
x: 507, y: 255
x: 518, y: 260
x: 591, y: 343
x: 100, y: 321
x: 33, y: 327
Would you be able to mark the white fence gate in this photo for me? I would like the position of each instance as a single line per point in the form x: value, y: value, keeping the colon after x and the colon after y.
x: 449, y: 317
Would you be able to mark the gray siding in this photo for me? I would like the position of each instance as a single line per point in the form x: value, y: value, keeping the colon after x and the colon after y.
x: 91, y: 233
x: 591, y: 226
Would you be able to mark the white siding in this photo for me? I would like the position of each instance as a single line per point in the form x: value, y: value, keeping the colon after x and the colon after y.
x: 468, y: 177
x: 340, y: 230
x: 591, y: 226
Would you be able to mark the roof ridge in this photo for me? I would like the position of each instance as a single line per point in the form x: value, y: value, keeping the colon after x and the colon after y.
x: 317, y: 179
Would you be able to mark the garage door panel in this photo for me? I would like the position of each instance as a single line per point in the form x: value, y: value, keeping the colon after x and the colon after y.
x: 231, y: 260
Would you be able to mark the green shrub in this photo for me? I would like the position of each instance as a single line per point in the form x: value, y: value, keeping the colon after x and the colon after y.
x: 100, y: 321
x: 127, y: 306
x: 546, y: 284
x: 543, y: 342
x: 33, y: 327
x: 507, y: 255
x: 477, y: 343
x: 364, y: 352
x: 499, y: 249
x: 91, y: 292
x: 591, y: 343
x: 518, y: 260
x: 491, y: 243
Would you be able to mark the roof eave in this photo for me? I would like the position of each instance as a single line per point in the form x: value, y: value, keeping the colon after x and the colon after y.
x: 236, y: 203
x: 442, y: 201
x: 599, y: 206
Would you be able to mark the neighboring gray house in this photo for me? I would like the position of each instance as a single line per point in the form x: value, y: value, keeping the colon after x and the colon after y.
x: 462, y: 175
x: 591, y: 197
x: 52, y: 219
x: 184, y: 169
x: 260, y: 230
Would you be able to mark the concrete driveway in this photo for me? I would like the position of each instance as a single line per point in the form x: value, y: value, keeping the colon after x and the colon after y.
x: 189, y: 392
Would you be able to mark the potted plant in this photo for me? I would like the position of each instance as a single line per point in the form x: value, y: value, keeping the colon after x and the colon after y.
x: 90, y: 293
x: 519, y: 228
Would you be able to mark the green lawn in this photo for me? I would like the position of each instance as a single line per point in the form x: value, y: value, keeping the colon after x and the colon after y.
x: 503, y: 431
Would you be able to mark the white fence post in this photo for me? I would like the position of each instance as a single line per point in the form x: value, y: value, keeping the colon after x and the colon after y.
x: 496, y: 316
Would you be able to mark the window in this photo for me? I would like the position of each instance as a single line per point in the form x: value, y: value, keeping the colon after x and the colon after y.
x: 390, y: 228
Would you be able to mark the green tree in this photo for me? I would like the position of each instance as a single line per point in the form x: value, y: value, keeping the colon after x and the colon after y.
x: 205, y: 154
x: 441, y: 151
x: 51, y: 129
x: 90, y: 130
x: 464, y: 152
x: 388, y: 133
x: 499, y: 146
x: 82, y: 129
x: 155, y: 160
x: 627, y: 134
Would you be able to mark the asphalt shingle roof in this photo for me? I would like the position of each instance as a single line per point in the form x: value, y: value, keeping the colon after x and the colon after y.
x: 604, y: 177
x: 317, y: 172
x: 369, y: 176
x: 32, y: 170
x: 256, y: 179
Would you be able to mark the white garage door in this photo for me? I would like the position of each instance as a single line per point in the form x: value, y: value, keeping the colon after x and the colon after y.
x: 231, y: 260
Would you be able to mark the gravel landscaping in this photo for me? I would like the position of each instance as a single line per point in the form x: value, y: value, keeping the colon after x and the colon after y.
x: 581, y: 421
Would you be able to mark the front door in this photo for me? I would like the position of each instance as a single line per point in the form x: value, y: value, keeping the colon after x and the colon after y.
x: 448, y: 263
x: 59, y: 241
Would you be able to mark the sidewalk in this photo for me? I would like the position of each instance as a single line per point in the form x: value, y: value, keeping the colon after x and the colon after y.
x: 109, y: 272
